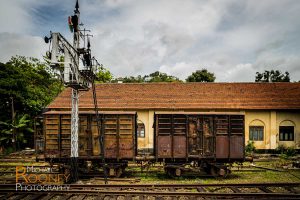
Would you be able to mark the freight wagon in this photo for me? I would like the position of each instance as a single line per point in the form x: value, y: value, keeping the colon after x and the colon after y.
x: 208, y: 141
x: 119, y: 129
x: 204, y: 142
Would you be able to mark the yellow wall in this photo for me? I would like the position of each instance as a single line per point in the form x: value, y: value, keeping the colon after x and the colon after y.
x: 271, y: 120
x: 254, y: 118
x: 289, y: 119
x: 146, y: 117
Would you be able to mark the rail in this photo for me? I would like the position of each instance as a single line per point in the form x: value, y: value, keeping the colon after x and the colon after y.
x: 175, y: 191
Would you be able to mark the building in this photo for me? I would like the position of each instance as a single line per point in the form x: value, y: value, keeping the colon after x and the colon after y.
x: 272, y: 110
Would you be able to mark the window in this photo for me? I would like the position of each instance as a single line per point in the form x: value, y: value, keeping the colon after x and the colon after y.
x: 141, y: 130
x: 286, y: 133
x: 256, y: 133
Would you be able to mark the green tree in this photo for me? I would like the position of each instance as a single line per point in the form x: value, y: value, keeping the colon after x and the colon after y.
x: 132, y: 79
x: 272, y: 76
x: 153, y: 77
x: 17, y: 132
x: 26, y: 87
x: 160, y: 77
x: 201, y: 76
x: 103, y: 75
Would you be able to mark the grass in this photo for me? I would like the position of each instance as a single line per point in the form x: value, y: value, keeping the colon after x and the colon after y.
x: 258, y: 176
x: 158, y: 176
x: 234, y: 177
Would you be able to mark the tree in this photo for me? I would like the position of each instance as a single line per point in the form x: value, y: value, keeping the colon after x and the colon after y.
x: 103, y: 75
x: 132, y: 79
x: 26, y: 87
x: 201, y: 76
x: 153, y: 77
x: 15, y: 132
x: 160, y: 77
x: 272, y: 76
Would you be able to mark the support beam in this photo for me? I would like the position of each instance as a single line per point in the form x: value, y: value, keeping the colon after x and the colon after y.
x: 74, y: 135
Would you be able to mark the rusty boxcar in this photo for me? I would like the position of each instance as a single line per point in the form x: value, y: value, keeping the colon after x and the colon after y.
x: 119, y: 141
x: 209, y: 141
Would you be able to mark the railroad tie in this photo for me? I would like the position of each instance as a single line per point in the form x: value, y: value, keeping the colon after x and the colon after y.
x: 291, y: 189
x: 65, y: 197
x: 36, y: 196
x: 81, y: 197
x: 48, y: 196
x: 22, y: 196
x: 7, y: 196
x: 264, y: 189
x: 201, y: 189
x: 235, y: 190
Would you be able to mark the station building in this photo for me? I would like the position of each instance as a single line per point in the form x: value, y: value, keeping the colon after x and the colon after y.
x: 272, y: 110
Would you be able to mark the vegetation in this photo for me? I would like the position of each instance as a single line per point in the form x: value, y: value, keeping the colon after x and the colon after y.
x: 103, y: 75
x: 153, y: 77
x: 250, y: 147
x: 272, y: 76
x: 18, y: 132
x: 286, y: 152
x: 156, y: 175
x: 198, y: 76
x: 26, y: 87
x: 201, y: 76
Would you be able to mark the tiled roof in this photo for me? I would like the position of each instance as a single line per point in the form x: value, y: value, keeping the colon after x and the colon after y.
x: 176, y: 96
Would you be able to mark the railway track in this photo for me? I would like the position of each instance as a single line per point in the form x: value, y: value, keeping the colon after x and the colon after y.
x: 152, y: 191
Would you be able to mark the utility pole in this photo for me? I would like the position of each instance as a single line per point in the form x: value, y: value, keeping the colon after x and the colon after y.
x: 13, y: 116
x: 74, y: 75
x: 75, y: 99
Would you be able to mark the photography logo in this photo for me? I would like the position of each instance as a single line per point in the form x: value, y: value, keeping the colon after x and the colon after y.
x: 40, y: 178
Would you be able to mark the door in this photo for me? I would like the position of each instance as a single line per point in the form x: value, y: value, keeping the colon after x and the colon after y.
x: 171, y: 136
x: 201, y: 136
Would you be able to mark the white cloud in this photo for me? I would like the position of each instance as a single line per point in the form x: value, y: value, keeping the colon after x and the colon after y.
x: 238, y: 73
x: 13, y: 18
x: 231, y: 38
x: 13, y: 44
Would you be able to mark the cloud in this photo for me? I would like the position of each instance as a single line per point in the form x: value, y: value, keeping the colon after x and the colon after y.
x: 14, y: 44
x: 231, y: 38
x: 13, y: 18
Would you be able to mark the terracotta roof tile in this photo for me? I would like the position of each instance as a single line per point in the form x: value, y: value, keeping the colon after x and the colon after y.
x: 130, y: 96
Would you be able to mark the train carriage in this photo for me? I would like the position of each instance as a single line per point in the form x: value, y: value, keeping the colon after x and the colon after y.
x: 209, y: 140
x: 119, y: 141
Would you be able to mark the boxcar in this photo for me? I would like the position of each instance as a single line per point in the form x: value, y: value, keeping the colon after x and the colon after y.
x: 209, y: 141
x: 119, y: 141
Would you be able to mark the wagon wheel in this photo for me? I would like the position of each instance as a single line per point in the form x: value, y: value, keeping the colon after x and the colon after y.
x: 119, y: 172
x: 214, y: 171
x: 227, y: 171
x: 106, y: 172
x: 171, y: 172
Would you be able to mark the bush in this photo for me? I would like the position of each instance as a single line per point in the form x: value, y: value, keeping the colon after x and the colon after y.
x: 250, y: 148
x: 290, y: 151
x: 286, y: 152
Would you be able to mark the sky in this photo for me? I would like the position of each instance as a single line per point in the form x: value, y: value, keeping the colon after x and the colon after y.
x: 234, y: 39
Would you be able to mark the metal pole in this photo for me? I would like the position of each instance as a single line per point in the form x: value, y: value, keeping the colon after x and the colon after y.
x: 74, y: 135
x: 13, y: 124
x: 74, y: 124
x: 74, y: 113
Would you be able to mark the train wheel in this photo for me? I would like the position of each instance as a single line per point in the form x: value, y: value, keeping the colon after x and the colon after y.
x: 178, y: 172
x: 214, y: 171
x: 224, y: 172
x: 171, y: 172
x: 119, y: 172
